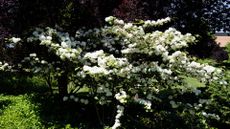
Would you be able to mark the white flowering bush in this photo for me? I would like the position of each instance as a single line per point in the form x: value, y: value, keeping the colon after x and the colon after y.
x: 124, y: 64
x: 4, y: 66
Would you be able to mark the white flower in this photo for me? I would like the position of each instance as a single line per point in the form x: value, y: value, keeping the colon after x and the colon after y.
x: 176, y: 54
x: 46, y: 42
x: 147, y: 104
x: 43, y: 62
x: 63, y: 53
x: 120, y: 112
x: 167, y: 71
x: 218, y: 71
x: 95, y: 70
x: 120, y: 22
x: 102, y: 62
x: 121, y: 97
x: 160, y: 49
x: 129, y: 35
x: 116, y: 125
x: 109, y: 19
x: 49, y: 38
x: 167, y: 19
x: 194, y: 64
x: 42, y: 37
x: 64, y: 44
x: 65, y: 98
x: 94, y: 55
x: 148, y: 22
x: 33, y: 55
x: 126, y: 51
x: 128, y: 26
x: 209, y: 69
x: 15, y: 40
x: 204, y: 114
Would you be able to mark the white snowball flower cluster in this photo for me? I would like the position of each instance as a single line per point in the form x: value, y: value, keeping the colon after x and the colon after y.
x: 5, y: 66
x: 110, y: 18
x: 148, y: 23
x: 156, y: 23
x: 206, y: 72
x: 95, y: 70
x: 147, y: 104
x: 121, y: 97
x: 64, y: 46
x: 75, y: 99
x: 93, y: 56
x: 15, y: 40
x: 120, y: 112
x: 36, y: 65
x: 211, y: 115
x: 106, y: 64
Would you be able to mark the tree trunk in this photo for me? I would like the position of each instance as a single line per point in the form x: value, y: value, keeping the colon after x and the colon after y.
x: 62, y: 84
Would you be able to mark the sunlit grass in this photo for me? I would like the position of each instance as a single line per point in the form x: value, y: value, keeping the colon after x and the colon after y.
x: 17, y: 112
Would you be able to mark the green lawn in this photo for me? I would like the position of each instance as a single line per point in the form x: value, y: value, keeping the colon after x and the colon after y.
x: 18, y: 112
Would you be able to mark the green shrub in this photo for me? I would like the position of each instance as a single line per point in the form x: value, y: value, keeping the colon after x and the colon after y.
x: 227, y: 48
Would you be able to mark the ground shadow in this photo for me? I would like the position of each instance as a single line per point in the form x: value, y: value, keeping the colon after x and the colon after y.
x: 11, y: 84
x: 54, y: 111
x: 4, y: 104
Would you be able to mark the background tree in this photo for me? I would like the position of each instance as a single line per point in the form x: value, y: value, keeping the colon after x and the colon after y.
x: 8, y: 9
x: 201, y: 18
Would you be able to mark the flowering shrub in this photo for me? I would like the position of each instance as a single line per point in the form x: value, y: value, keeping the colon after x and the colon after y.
x: 4, y: 66
x: 126, y: 63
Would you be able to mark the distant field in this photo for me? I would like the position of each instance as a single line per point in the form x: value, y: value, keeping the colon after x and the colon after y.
x: 223, y: 40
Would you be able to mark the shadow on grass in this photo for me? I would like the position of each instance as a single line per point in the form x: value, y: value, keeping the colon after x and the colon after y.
x: 56, y: 113
x: 53, y: 112
x: 4, y: 104
x: 16, y: 84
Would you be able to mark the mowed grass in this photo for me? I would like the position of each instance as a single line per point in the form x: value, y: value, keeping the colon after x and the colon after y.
x: 17, y: 108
